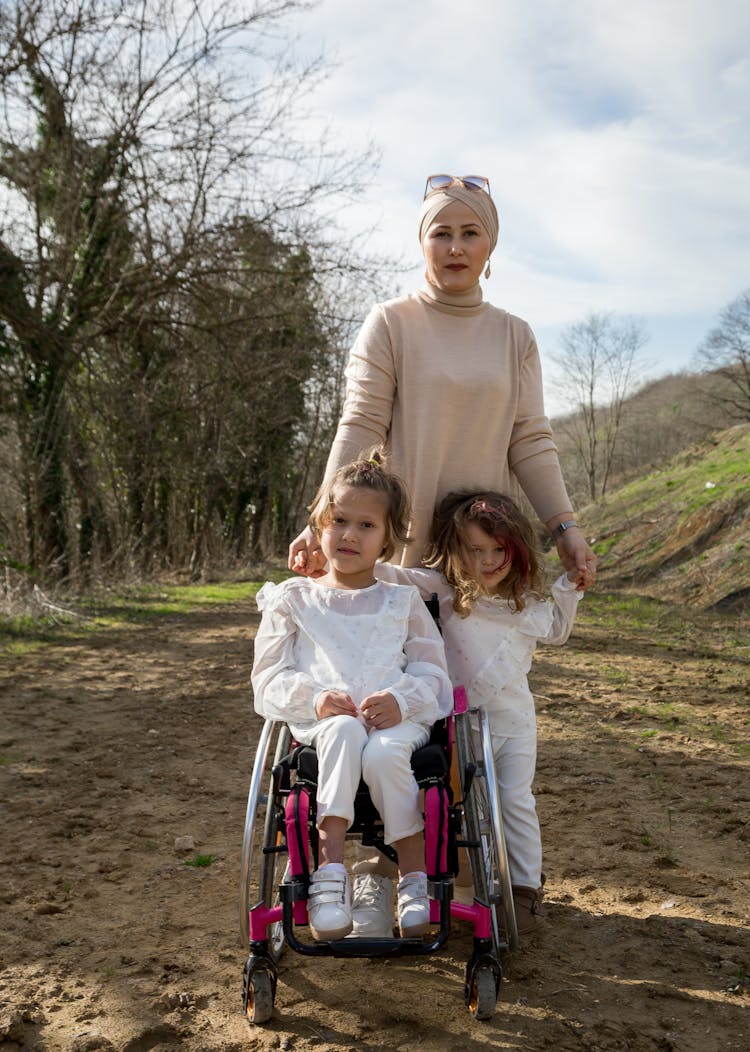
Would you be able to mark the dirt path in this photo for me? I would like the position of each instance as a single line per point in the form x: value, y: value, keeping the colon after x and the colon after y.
x: 114, y: 746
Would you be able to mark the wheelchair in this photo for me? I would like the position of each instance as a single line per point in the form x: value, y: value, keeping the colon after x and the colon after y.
x: 456, y: 775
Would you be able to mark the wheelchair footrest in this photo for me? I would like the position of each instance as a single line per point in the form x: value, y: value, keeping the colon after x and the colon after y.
x: 369, y: 947
x: 441, y: 891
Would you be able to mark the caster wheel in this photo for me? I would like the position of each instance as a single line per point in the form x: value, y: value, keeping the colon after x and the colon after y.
x: 260, y: 997
x: 483, y: 996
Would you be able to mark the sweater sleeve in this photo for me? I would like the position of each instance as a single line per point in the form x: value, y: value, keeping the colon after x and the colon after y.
x: 565, y: 598
x: 370, y: 391
x: 423, y: 690
x: 532, y: 454
x: 280, y: 691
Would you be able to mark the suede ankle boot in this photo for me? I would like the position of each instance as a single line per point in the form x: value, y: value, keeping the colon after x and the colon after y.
x: 530, y: 909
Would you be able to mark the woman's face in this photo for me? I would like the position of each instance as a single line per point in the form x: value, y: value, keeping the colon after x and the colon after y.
x: 456, y: 248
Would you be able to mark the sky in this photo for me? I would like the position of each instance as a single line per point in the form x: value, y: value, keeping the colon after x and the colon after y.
x: 615, y: 135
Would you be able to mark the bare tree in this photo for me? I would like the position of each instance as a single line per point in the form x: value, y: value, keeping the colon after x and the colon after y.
x: 596, y: 372
x: 132, y: 135
x: 726, y: 353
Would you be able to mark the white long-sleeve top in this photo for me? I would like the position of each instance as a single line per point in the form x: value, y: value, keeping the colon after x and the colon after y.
x: 312, y: 638
x: 490, y: 651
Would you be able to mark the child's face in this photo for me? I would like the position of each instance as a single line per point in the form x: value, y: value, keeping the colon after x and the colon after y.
x: 485, y: 558
x: 355, y: 536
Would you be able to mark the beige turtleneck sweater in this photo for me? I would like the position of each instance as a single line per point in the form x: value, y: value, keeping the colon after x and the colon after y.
x: 452, y: 386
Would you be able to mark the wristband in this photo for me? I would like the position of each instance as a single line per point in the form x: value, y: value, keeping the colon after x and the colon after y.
x: 561, y: 527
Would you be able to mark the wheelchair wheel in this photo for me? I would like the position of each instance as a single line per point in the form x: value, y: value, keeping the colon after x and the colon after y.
x: 260, y: 997
x: 261, y: 873
x: 483, y: 994
x: 484, y: 828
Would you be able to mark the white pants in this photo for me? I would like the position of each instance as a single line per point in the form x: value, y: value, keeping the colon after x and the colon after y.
x: 347, y: 752
x: 515, y: 765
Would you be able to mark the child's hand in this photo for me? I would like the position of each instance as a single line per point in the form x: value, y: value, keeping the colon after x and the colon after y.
x: 582, y: 578
x: 334, y: 703
x: 381, y: 710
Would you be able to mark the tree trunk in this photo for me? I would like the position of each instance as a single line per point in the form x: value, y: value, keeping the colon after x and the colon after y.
x: 45, y: 439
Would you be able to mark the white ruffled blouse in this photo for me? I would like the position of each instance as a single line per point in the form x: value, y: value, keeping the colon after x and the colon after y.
x: 490, y: 651
x: 358, y: 641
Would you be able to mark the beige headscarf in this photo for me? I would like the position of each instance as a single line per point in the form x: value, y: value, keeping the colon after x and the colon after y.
x: 478, y: 201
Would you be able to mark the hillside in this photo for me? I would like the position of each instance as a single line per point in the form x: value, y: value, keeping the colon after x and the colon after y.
x: 681, y: 533
x: 659, y: 420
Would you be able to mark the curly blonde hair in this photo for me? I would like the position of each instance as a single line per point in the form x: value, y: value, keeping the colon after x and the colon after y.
x: 499, y: 517
x: 370, y: 472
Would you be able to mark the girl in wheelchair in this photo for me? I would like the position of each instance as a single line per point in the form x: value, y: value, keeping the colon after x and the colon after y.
x: 356, y: 667
x: 484, y: 565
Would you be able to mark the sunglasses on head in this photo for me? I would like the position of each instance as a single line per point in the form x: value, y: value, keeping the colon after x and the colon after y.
x: 469, y: 182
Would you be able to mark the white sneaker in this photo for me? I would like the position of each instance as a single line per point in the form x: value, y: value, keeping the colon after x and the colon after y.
x: 372, y: 906
x: 413, y: 905
x: 329, y: 908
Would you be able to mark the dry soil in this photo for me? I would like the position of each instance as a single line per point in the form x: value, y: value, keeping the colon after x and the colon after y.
x: 114, y: 745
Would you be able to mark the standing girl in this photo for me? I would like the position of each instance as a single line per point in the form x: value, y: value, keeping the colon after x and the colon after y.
x: 485, y: 567
x: 356, y: 667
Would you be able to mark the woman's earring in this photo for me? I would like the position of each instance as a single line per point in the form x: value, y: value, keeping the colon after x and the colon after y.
x: 488, y: 270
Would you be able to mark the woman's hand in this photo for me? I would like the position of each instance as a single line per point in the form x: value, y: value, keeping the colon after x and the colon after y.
x: 380, y: 710
x: 334, y: 703
x: 305, y: 555
x: 577, y: 558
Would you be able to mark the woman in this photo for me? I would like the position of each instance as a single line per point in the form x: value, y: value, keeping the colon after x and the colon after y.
x: 441, y: 376
x: 452, y: 387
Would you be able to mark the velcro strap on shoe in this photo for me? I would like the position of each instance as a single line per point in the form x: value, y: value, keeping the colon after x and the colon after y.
x: 328, y: 890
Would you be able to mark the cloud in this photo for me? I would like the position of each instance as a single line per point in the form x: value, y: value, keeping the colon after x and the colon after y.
x: 616, y: 137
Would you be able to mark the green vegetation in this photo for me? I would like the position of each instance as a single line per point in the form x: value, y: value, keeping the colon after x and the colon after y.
x: 665, y: 625
x: 699, y: 476
x: 611, y: 610
x: 680, y: 532
x: 171, y: 409
x: 684, y: 704
x: 614, y: 674
x: 665, y: 713
x: 139, y: 605
x: 201, y: 861
x: 603, y: 545
x: 150, y: 602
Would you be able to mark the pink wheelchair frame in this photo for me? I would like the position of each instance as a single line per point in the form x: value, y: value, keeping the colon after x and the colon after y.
x: 273, y: 898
